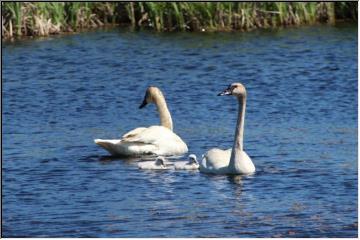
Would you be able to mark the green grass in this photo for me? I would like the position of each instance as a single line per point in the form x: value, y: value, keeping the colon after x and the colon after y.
x: 44, y: 18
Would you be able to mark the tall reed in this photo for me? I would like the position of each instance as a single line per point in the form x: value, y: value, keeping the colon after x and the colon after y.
x: 44, y: 18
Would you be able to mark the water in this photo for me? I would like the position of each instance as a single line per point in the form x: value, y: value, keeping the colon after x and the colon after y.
x: 60, y: 93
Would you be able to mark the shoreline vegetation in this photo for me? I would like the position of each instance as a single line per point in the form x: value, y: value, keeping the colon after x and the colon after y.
x: 21, y: 19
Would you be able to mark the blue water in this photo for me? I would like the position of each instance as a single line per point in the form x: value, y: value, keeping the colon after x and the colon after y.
x: 59, y: 93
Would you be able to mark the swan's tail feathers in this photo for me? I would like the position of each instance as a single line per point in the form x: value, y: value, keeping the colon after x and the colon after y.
x: 106, y: 141
x: 108, y: 144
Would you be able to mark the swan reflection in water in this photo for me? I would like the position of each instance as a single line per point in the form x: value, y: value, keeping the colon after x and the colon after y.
x: 236, y: 179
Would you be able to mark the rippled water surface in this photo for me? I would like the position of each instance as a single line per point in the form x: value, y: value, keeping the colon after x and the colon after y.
x: 60, y: 93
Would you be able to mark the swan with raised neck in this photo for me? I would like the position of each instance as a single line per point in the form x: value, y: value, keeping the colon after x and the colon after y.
x: 154, y: 95
x: 235, y: 160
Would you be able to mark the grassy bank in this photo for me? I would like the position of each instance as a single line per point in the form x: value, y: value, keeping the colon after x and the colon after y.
x: 44, y: 18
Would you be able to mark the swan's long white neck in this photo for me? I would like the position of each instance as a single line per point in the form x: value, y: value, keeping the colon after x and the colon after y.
x: 164, y: 114
x: 239, y: 134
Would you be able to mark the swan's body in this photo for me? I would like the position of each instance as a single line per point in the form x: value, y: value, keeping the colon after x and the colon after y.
x: 191, y: 164
x: 218, y: 161
x: 158, y: 164
x: 235, y: 160
x: 157, y: 140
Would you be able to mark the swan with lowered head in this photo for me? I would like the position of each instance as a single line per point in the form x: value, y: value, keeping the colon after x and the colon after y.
x: 192, y: 164
x: 156, y: 140
x: 235, y: 160
x: 158, y: 164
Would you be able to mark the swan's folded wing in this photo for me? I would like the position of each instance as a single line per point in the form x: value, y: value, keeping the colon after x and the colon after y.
x: 216, y: 158
x: 133, y: 133
x: 161, y: 140
x: 151, y: 135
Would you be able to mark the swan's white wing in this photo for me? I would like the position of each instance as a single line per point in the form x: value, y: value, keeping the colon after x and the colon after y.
x: 133, y: 133
x: 167, y: 142
x: 215, y: 160
x: 150, y: 135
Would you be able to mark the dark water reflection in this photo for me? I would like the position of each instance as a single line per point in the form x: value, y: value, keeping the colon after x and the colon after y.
x: 60, y: 93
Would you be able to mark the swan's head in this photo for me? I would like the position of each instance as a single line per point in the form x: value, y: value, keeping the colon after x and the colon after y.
x: 150, y: 96
x: 236, y: 89
x: 192, y: 158
x: 160, y: 161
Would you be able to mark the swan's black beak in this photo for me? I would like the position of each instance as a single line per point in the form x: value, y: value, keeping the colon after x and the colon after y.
x: 225, y: 92
x: 143, y: 104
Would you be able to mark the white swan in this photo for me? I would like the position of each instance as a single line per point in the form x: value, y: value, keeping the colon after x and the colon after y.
x: 158, y: 140
x: 235, y: 160
x: 158, y: 164
x: 192, y: 164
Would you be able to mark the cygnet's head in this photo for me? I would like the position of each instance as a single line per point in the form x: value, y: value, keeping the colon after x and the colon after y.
x: 150, y: 95
x: 192, y: 158
x: 236, y: 89
x: 160, y: 161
